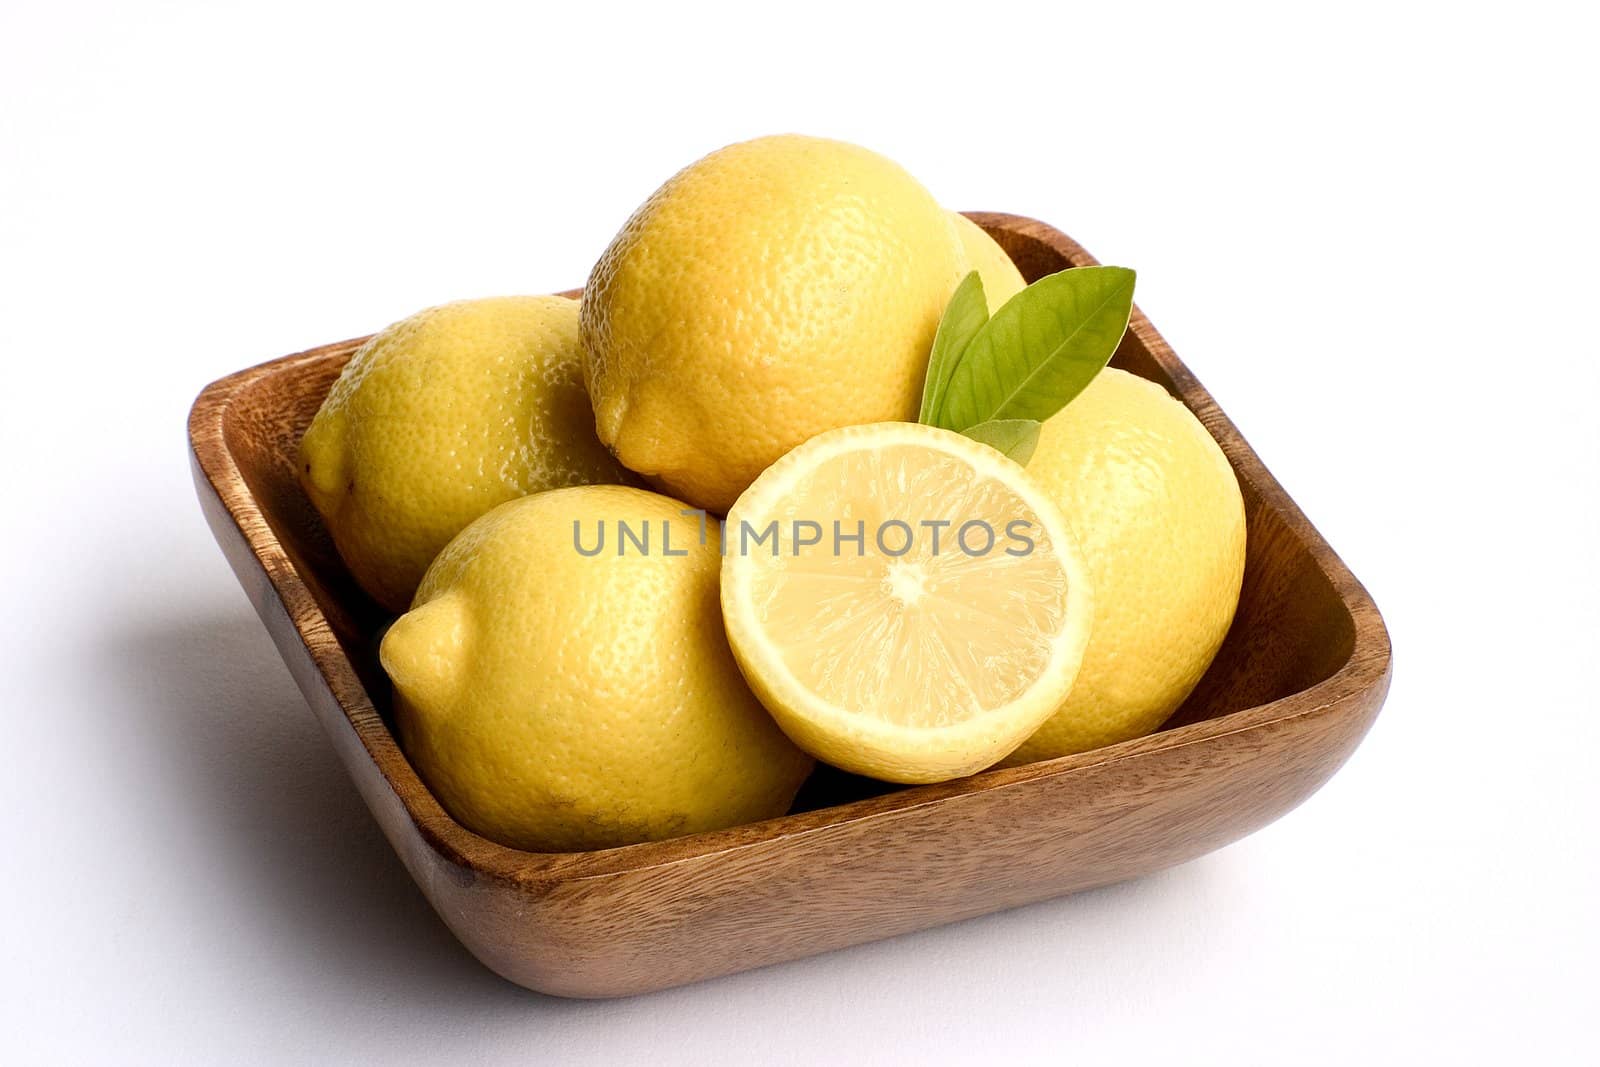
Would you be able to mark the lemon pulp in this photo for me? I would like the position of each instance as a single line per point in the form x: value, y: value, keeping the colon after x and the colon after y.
x: 906, y: 603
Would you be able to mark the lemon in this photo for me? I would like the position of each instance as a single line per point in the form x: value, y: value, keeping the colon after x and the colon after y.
x: 774, y: 289
x: 934, y: 644
x: 1001, y: 278
x: 439, y: 418
x: 557, y: 700
x: 1158, y: 512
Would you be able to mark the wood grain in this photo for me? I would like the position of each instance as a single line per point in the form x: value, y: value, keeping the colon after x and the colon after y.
x: 1299, y: 680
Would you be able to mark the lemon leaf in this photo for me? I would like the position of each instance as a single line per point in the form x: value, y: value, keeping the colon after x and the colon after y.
x: 963, y: 317
x: 1016, y: 438
x: 1040, y: 349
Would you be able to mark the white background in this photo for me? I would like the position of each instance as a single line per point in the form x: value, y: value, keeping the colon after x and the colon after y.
x: 1369, y: 228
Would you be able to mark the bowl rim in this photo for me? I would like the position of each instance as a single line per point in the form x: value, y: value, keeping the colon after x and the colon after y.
x: 1366, y: 667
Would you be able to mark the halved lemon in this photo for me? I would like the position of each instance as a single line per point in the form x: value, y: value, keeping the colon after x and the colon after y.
x: 903, y: 600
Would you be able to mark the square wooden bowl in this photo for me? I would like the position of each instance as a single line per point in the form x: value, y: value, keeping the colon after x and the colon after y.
x: 1298, y: 682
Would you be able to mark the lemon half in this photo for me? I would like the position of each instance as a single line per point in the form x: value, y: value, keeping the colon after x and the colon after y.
x: 937, y: 642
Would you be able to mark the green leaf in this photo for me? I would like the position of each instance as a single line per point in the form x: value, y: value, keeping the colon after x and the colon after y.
x: 1040, y: 349
x: 1017, y: 438
x: 963, y: 317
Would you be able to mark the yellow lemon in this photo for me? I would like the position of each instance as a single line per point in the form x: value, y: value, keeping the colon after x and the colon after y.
x: 774, y: 289
x: 1001, y: 278
x: 564, y: 683
x: 906, y: 602
x: 1158, y: 512
x: 441, y: 417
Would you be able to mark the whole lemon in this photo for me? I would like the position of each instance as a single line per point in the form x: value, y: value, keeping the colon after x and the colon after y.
x: 1158, y: 513
x: 775, y: 289
x: 439, y: 418
x: 564, y: 681
x: 1001, y: 278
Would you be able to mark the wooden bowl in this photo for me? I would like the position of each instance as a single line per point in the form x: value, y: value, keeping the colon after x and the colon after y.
x: 1297, y: 683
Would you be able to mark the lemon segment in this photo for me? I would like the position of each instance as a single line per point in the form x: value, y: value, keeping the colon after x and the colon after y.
x: 905, y: 602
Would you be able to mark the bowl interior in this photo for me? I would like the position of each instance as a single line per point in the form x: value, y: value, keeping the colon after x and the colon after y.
x: 1291, y: 631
